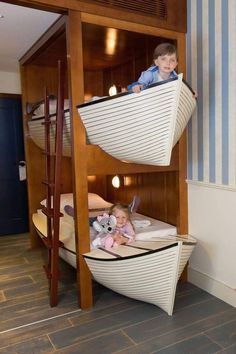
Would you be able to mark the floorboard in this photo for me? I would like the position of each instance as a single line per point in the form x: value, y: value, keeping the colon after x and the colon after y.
x: 201, y: 323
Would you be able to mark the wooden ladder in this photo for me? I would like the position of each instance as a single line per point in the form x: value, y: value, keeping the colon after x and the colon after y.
x: 53, y: 184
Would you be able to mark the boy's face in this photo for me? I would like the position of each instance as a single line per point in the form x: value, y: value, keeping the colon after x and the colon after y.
x: 166, y: 63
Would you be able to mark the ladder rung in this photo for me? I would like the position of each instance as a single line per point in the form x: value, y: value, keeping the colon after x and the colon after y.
x: 52, y: 154
x: 47, y: 212
x: 50, y: 184
x: 49, y: 122
x: 48, y: 243
x: 50, y: 212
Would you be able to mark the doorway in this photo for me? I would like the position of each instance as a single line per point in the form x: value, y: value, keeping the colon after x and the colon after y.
x: 13, y: 187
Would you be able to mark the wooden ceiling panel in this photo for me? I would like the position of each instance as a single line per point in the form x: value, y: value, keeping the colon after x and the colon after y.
x: 103, y: 47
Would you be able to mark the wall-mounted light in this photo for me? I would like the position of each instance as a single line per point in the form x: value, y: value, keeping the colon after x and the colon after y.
x: 87, y: 97
x: 112, y: 90
x: 111, y: 41
x: 91, y: 178
x: 127, y: 181
x: 116, y: 181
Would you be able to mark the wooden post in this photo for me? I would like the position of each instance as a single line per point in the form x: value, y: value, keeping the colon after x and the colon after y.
x: 52, y: 211
x: 57, y: 187
x: 183, y: 192
x: 79, y: 155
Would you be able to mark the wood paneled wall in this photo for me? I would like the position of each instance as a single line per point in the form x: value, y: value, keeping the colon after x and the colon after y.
x: 34, y: 81
x: 98, y: 184
x: 93, y: 83
x: 129, y: 71
x: 158, y: 192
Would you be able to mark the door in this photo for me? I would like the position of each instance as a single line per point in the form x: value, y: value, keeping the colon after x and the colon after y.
x: 13, y: 189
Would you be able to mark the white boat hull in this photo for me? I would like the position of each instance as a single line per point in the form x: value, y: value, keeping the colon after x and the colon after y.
x: 37, y: 133
x: 149, y: 275
x: 143, y: 127
x: 140, y: 128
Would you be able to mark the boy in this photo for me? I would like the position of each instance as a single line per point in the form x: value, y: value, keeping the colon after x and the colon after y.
x: 165, y: 61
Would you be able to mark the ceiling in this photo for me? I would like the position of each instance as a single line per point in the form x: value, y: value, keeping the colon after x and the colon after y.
x: 103, y: 47
x: 19, y: 29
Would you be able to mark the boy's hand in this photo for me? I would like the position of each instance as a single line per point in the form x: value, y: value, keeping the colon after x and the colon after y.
x: 137, y: 88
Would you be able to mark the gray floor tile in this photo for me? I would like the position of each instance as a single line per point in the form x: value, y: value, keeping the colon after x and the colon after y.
x: 225, y: 334
x: 105, y: 344
x: 196, y: 345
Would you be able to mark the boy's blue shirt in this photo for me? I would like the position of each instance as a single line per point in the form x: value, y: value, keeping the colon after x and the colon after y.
x: 148, y: 77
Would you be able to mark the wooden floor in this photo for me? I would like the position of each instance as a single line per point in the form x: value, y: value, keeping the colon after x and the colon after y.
x: 201, y: 323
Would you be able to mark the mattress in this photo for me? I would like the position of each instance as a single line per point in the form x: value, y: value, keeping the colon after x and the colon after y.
x: 146, y: 229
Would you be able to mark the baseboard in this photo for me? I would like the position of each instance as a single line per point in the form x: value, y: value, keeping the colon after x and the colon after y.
x: 212, y: 286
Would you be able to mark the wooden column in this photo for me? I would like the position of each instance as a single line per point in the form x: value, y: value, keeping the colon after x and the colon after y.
x: 79, y: 155
x: 183, y: 192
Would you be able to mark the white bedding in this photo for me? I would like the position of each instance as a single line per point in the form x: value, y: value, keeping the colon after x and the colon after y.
x: 156, y: 229
x: 39, y: 111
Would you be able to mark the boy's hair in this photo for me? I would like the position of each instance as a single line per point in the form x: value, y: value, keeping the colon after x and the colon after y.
x: 123, y: 207
x: 163, y: 49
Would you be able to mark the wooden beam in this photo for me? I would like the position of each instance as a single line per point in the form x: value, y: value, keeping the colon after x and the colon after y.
x: 183, y: 194
x: 175, y: 19
x: 79, y: 155
x: 48, y: 37
x: 129, y: 26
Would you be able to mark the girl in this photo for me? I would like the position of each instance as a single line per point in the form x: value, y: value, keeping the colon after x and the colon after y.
x: 124, y: 229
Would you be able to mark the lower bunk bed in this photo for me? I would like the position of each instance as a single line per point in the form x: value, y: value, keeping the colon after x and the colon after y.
x: 147, y: 269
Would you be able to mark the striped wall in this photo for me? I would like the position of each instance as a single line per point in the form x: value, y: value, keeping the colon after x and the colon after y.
x: 211, y: 71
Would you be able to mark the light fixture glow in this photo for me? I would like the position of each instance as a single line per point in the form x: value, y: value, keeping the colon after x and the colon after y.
x: 111, y: 41
x: 91, y: 178
x: 87, y: 97
x: 127, y: 181
x: 116, y: 181
x: 112, y: 90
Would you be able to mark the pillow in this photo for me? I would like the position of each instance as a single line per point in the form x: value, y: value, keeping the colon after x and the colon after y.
x: 66, y: 198
x: 97, y: 202
x: 94, y: 201
x: 39, y: 111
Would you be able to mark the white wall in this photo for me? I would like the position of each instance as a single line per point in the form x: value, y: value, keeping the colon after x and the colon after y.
x: 212, y: 220
x: 211, y: 69
x: 10, y: 82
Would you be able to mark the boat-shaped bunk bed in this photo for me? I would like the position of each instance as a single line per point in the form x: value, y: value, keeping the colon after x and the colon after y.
x: 89, y: 166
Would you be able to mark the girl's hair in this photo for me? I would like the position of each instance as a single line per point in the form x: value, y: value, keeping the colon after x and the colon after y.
x: 163, y: 49
x: 123, y: 207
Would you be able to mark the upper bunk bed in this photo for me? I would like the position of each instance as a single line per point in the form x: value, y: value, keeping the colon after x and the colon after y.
x: 79, y: 40
x: 137, y: 128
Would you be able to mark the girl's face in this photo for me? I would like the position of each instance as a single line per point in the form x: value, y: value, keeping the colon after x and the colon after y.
x: 166, y: 63
x: 121, y: 217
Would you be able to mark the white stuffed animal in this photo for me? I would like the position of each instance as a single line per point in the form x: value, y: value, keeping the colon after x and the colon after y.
x: 105, y: 225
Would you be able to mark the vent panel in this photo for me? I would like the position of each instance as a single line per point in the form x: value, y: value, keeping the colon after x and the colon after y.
x: 152, y: 8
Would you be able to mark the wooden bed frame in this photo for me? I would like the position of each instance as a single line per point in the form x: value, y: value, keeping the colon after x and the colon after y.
x: 163, y: 190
